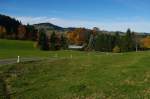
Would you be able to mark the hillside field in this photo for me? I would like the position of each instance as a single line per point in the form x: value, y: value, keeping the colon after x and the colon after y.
x: 85, y: 75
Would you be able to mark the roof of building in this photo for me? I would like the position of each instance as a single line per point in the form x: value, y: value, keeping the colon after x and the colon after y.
x: 75, y: 47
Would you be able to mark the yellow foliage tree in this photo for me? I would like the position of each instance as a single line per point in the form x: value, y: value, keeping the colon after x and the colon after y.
x: 77, y: 36
x: 116, y: 49
x: 145, y: 42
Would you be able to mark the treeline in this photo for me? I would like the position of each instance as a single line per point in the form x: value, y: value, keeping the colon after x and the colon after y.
x: 108, y: 42
x: 53, y: 41
x: 116, y: 43
x: 91, y: 40
x: 11, y: 28
x: 94, y: 40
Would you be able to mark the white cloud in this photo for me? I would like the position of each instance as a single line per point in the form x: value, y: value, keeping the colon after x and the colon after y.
x: 139, y: 26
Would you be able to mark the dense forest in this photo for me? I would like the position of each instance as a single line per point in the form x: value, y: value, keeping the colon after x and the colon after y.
x: 52, y: 37
x: 11, y: 28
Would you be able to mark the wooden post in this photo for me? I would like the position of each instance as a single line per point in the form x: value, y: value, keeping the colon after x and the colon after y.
x: 18, y: 60
x: 71, y: 56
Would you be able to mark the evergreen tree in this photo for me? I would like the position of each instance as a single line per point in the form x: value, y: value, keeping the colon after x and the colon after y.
x: 64, y: 42
x: 105, y: 42
x: 117, y: 39
x: 53, y: 41
x: 129, y: 41
x: 43, y: 40
x: 101, y: 43
x: 11, y: 26
x: 134, y: 42
x: 98, y: 44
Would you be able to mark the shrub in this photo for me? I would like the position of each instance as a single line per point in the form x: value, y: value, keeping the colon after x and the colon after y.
x: 116, y: 49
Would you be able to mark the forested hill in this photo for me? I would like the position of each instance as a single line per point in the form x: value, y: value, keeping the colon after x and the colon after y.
x: 52, y: 27
x: 10, y: 28
x: 9, y: 23
x: 48, y: 26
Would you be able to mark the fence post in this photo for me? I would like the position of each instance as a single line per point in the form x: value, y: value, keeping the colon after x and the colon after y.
x: 18, y: 60
x: 71, y: 56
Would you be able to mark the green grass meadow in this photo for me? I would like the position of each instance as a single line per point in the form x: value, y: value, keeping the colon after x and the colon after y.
x: 87, y: 75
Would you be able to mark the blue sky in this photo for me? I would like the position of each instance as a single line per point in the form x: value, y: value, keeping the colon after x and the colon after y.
x: 106, y: 14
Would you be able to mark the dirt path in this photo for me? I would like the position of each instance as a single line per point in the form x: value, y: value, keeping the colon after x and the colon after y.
x: 14, y: 60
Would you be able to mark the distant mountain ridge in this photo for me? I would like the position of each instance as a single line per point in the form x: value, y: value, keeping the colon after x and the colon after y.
x: 11, y: 25
x: 51, y: 27
x: 48, y: 26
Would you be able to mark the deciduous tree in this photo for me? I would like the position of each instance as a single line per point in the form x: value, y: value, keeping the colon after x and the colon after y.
x: 2, y: 31
x: 21, y: 32
x: 145, y: 42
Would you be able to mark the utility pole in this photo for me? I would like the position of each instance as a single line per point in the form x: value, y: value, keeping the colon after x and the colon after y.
x: 136, y: 46
x: 136, y: 41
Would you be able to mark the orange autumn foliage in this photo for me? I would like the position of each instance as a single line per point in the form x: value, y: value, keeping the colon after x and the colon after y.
x: 2, y: 31
x: 78, y: 36
x: 145, y: 42
x: 21, y: 32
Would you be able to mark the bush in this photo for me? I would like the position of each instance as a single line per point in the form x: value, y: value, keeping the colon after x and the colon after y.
x: 116, y: 49
x: 36, y: 45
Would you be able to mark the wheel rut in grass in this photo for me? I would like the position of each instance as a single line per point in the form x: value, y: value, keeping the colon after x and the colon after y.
x: 4, y: 93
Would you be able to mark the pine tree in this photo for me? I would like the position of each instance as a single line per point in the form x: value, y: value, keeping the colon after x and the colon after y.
x: 53, y: 41
x: 98, y: 45
x: 43, y: 40
x: 117, y: 39
x: 64, y: 43
x: 128, y: 40
x: 101, y: 42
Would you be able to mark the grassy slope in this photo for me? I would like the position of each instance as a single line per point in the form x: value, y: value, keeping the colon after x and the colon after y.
x: 94, y: 75
x: 14, y: 48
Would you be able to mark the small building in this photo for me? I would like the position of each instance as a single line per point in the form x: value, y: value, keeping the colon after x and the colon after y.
x: 75, y: 47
